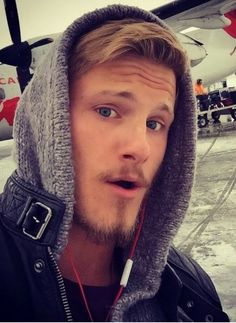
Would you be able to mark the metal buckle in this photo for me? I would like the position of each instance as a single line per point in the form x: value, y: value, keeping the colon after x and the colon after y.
x: 36, y: 220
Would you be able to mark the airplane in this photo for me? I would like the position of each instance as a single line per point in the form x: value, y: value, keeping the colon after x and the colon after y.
x: 206, y: 28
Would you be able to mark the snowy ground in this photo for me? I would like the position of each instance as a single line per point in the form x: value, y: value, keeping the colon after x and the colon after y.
x: 209, y: 231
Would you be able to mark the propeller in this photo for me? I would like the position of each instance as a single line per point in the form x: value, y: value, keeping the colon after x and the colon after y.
x: 13, y: 20
x: 19, y: 53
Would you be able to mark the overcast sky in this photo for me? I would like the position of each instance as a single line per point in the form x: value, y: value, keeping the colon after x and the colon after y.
x: 42, y: 17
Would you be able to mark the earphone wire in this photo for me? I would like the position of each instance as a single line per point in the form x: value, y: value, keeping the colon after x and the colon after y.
x: 121, y: 288
x: 80, y: 285
x: 131, y: 255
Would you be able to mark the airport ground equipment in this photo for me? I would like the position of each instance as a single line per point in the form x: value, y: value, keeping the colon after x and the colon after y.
x: 214, y: 104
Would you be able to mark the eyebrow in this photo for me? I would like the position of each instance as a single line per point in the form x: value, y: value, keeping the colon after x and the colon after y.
x: 130, y: 96
x: 123, y: 94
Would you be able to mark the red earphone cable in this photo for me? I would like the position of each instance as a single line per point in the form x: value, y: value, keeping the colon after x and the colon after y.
x: 121, y: 288
x: 131, y: 255
x: 137, y: 235
x: 80, y: 284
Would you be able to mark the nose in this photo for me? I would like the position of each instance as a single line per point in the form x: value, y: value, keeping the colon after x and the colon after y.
x: 136, y: 146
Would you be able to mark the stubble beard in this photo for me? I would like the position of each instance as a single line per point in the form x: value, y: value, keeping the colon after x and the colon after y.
x: 117, y: 234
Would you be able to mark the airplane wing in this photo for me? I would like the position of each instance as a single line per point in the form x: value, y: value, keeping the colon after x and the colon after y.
x: 205, y: 14
x: 211, y: 27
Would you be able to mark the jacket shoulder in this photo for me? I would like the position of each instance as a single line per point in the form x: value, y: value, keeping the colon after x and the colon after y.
x: 192, y: 274
x: 198, y: 298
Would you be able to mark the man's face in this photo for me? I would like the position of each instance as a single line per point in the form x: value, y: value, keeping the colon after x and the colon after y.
x: 121, y: 112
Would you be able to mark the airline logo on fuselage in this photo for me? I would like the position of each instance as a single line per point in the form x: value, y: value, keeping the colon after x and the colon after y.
x: 7, y: 109
x: 8, y: 80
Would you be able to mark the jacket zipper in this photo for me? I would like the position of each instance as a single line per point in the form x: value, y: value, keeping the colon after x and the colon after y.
x: 61, y: 287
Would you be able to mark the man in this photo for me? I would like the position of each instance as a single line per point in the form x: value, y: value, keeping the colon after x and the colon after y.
x: 203, y: 101
x: 104, y: 175
x: 199, y: 89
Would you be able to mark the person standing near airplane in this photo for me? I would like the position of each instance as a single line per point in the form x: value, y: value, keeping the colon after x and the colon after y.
x: 104, y: 174
x: 199, y: 88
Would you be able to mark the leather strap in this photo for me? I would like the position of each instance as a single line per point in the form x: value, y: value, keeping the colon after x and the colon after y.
x: 31, y: 212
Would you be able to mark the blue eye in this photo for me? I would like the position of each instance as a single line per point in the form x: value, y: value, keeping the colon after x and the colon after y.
x: 107, y: 112
x: 154, y: 125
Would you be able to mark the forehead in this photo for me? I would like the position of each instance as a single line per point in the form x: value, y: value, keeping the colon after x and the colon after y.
x: 122, y: 73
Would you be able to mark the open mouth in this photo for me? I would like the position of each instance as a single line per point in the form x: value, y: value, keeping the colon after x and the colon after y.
x: 125, y: 188
x: 125, y: 184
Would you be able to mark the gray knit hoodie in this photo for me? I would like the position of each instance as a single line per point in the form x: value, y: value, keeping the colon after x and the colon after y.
x: 43, y: 156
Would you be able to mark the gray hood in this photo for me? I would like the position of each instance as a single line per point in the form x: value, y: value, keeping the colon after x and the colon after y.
x: 44, y: 157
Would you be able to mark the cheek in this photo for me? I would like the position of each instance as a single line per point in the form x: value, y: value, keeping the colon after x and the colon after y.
x: 157, y: 155
x: 82, y: 133
x: 89, y: 150
x: 81, y: 143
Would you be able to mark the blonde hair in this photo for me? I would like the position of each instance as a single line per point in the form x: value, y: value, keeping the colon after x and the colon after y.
x: 118, y: 38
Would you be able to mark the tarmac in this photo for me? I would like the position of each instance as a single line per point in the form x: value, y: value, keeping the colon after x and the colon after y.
x: 209, y: 230
x: 208, y: 233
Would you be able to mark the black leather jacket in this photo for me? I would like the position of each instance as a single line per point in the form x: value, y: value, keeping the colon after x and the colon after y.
x: 32, y: 288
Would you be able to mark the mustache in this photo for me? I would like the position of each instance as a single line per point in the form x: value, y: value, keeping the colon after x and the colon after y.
x: 126, y: 172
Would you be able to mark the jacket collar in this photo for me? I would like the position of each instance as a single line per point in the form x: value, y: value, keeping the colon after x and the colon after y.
x: 31, y: 212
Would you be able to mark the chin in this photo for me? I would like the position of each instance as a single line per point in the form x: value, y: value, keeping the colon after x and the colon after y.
x: 105, y: 231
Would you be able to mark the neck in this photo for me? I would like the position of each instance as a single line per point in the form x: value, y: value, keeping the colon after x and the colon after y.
x: 93, y: 261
